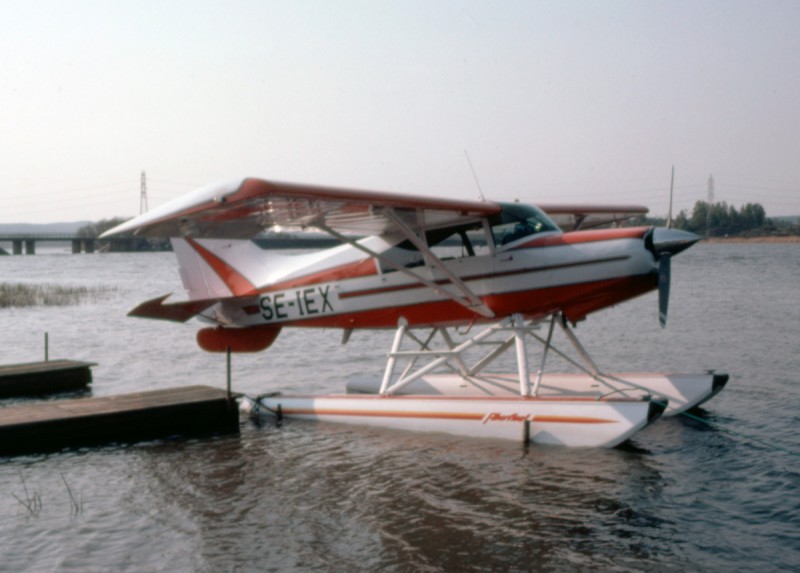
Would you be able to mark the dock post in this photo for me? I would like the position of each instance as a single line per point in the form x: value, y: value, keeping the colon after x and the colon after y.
x: 46, y: 348
x: 228, y: 385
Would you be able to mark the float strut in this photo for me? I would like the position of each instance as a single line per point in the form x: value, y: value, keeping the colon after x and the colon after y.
x: 544, y: 355
x: 579, y: 347
x: 398, y: 339
x: 522, y: 356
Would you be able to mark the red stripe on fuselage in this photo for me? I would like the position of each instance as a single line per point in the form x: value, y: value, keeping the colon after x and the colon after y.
x: 501, y: 274
x: 576, y: 301
x: 363, y: 268
x: 577, y: 237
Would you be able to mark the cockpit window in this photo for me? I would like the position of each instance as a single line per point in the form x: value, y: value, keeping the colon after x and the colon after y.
x: 516, y: 221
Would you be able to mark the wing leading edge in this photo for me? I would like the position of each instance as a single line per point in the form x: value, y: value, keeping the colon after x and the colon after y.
x: 244, y: 208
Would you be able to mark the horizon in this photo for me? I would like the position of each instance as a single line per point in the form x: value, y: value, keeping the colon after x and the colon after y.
x: 83, y: 222
x: 575, y: 102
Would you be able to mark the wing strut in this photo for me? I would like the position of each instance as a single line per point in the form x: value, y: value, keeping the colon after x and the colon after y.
x: 436, y: 262
x: 469, y: 300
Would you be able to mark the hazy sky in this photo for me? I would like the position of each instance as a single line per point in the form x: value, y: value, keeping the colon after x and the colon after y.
x: 554, y: 101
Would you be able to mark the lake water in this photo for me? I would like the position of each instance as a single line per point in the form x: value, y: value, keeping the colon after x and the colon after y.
x: 322, y: 497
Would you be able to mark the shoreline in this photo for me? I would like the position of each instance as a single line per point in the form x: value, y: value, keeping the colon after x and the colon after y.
x: 787, y: 239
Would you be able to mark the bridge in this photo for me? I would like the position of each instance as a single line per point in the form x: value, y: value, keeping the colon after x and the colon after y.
x: 27, y: 242
x: 79, y: 244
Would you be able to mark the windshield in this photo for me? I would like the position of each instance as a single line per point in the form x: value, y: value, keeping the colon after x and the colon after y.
x: 516, y: 221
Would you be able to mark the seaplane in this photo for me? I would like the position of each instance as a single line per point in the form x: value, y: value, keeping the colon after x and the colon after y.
x: 465, y: 284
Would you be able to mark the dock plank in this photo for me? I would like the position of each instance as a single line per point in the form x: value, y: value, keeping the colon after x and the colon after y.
x: 41, y: 378
x: 46, y: 426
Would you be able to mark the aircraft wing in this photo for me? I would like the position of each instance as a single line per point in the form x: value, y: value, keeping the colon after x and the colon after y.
x: 576, y: 217
x: 245, y: 208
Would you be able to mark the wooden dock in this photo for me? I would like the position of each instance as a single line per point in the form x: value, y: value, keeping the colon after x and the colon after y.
x: 41, y: 378
x: 49, y: 426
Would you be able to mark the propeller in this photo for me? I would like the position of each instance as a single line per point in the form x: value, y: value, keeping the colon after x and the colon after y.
x: 664, y: 243
x: 664, y: 270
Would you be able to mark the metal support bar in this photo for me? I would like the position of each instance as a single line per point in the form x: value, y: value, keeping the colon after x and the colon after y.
x: 424, y: 346
x: 492, y: 356
x: 522, y: 356
x: 575, y: 363
x: 579, y: 347
x: 386, y: 389
x: 452, y: 356
x: 544, y: 355
x: 398, y: 339
x: 228, y: 374
x: 460, y: 366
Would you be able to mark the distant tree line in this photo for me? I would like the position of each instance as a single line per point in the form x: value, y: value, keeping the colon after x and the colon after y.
x: 99, y: 227
x: 720, y: 219
x: 133, y: 244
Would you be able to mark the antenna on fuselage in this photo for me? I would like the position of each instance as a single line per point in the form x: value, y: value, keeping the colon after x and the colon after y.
x: 475, y: 176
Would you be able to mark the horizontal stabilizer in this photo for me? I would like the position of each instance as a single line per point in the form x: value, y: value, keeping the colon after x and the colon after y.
x: 176, y: 312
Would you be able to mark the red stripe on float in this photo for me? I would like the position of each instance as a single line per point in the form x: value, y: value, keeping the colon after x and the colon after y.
x: 437, y: 416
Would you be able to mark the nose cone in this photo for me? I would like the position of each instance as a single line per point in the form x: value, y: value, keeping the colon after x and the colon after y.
x: 672, y: 241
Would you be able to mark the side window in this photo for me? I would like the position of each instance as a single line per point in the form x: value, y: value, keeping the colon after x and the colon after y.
x: 449, y: 243
x: 477, y: 239
x: 408, y: 258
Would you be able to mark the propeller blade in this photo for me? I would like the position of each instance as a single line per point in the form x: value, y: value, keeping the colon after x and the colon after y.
x: 664, y: 270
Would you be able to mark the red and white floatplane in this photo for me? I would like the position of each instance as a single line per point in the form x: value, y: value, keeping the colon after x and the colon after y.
x: 466, y: 285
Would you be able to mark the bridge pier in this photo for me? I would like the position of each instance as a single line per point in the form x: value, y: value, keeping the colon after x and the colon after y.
x: 85, y: 245
x: 30, y: 247
x: 16, y: 247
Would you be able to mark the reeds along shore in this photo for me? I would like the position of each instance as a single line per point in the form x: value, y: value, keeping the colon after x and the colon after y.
x: 20, y: 295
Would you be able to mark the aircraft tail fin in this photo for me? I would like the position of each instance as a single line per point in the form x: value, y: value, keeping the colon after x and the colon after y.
x: 211, y: 270
x: 220, y: 268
